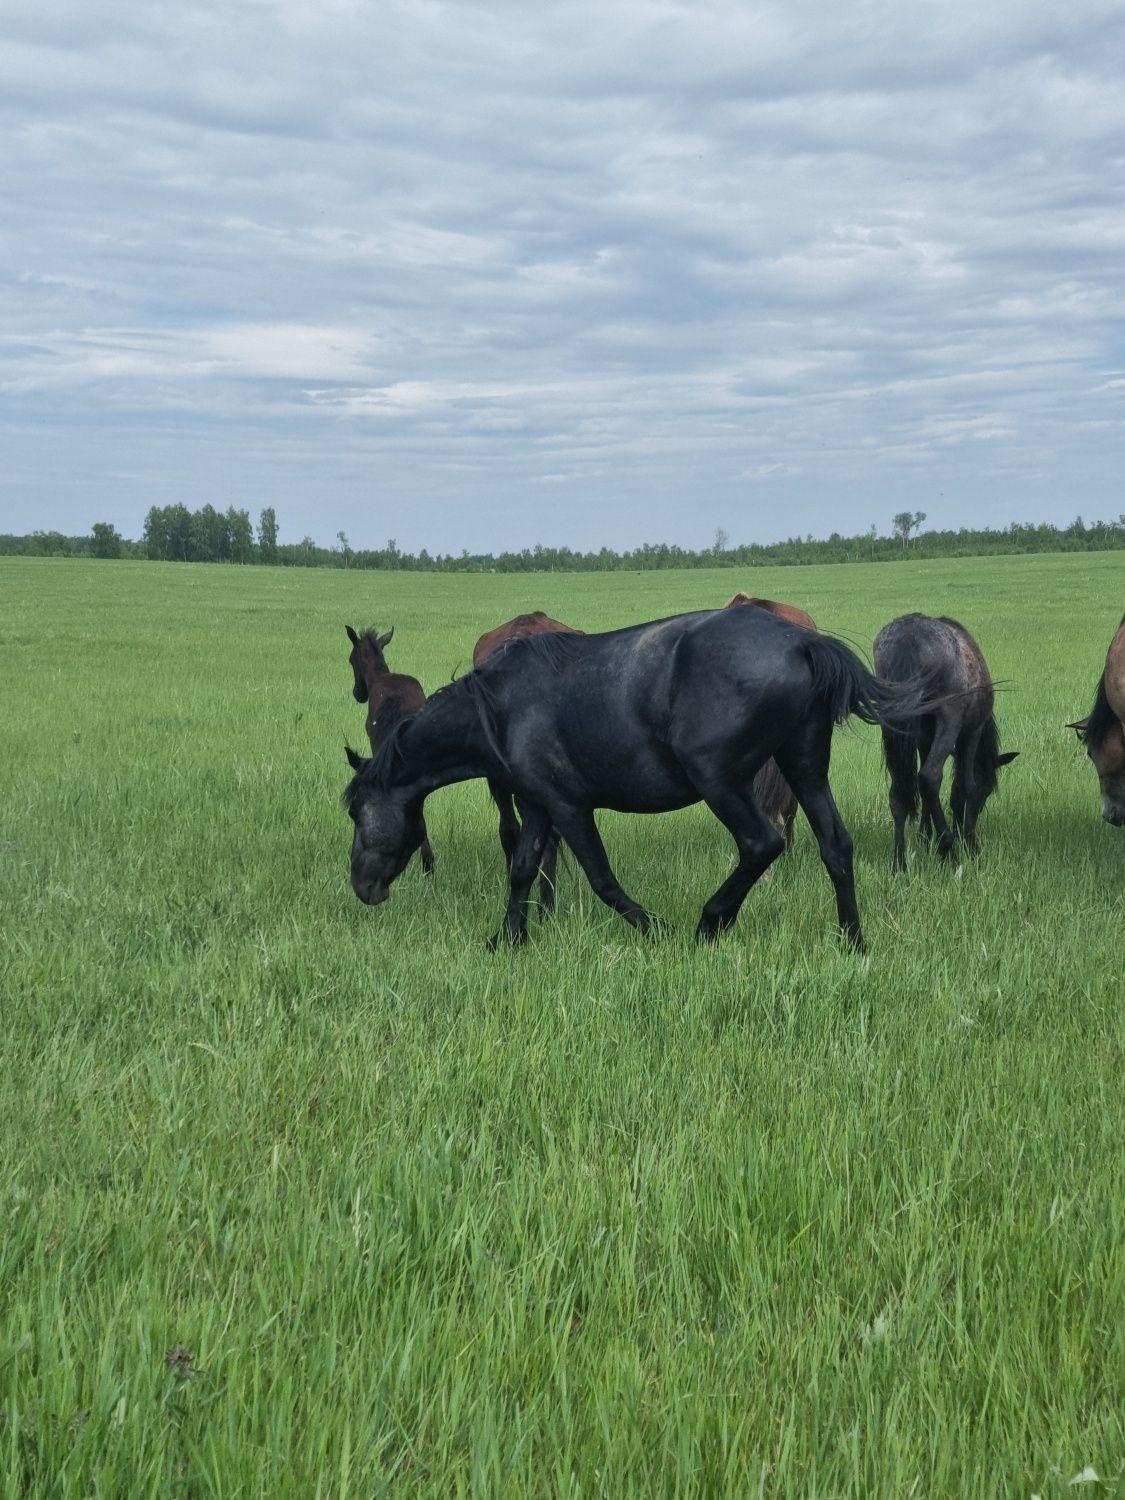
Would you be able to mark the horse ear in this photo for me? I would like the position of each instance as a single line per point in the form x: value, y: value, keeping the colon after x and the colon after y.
x: 352, y: 635
x: 385, y: 640
x: 1007, y: 758
x: 1079, y: 727
x: 356, y: 761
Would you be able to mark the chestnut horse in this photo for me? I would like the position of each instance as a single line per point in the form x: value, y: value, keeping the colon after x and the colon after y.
x: 1102, y: 731
x: 772, y: 792
x: 518, y: 629
x: 390, y: 697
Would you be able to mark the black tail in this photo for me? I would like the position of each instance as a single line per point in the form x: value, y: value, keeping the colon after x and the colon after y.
x: 842, y: 682
x: 901, y: 756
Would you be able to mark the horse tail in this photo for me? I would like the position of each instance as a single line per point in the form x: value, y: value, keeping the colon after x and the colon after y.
x: 846, y: 687
x: 775, y: 798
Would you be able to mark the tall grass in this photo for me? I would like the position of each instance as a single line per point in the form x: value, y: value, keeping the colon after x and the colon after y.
x: 305, y: 1199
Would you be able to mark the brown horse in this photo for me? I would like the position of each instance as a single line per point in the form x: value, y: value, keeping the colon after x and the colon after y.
x: 536, y: 623
x: 390, y: 697
x: 772, y: 792
x: 1102, y: 731
x: 788, y: 612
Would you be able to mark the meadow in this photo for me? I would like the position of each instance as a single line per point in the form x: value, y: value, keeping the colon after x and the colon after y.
x: 305, y: 1199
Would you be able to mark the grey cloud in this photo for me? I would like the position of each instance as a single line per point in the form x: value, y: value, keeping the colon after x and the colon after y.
x: 402, y: 268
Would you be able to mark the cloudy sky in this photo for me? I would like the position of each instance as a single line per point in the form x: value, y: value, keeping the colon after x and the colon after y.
x: 490, y: 275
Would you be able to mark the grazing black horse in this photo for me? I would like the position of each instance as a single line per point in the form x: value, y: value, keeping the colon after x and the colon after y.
x: 648, y: 719
x: 960, y: 723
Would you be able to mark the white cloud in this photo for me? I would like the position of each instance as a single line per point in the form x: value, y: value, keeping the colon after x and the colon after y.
x: 646, y: 257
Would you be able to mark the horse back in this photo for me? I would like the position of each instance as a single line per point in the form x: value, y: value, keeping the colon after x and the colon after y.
x: 519, y: 628
x: 405, y: 692
x: 788, y: 612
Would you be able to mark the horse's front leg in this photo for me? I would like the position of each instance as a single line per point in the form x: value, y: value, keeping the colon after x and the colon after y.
x: 522, y: 872
x: 577, y: 827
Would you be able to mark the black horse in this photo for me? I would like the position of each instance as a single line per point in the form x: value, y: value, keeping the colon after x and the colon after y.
x: 648, y: 719
x: 960, y: 723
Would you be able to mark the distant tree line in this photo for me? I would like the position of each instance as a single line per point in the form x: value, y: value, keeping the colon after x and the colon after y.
x: 172, y: 533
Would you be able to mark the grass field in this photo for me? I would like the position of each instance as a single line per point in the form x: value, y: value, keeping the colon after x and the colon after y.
x: 301, y: 1198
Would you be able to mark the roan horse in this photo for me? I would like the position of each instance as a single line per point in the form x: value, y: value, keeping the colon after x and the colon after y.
x: 647, y: 719
x: 772, y: 792
x: 518, y: 629
x: 390, y: 697
x: 1102, y: 731
x: 961, y: 723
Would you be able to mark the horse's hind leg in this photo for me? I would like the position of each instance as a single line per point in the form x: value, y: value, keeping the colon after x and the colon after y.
x: 901, y: 760
x: 509, y: 823
x: 526, y: 858
x: 805, y: 764
x: 426, y: 856
x: 759, y: 843
x: 577, y: 827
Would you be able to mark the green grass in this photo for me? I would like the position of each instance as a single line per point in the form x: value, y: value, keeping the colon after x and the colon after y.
x: 603, y: 1216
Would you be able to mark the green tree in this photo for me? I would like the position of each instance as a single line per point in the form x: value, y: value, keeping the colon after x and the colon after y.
x: 48, y: 544
x: 907, y: 521
x: 267, y: 535
x: 105, y: 541
x: 240, y: 535
x: 156, y: 533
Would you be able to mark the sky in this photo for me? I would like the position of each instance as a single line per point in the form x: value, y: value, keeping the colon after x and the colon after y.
x: 481, y: 276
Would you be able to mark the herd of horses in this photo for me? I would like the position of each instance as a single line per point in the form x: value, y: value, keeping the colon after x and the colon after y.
x: 733, y: 707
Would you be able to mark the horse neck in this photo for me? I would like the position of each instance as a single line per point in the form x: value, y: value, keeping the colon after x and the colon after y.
x: 444, y: 742
x: 371, y: 669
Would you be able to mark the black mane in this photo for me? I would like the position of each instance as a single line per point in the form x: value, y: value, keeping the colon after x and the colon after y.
x: 988, y: 749
x: 376, y: 773
x: 554, y: 648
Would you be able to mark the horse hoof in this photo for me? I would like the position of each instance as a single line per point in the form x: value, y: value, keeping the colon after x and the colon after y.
x: 505, y: 939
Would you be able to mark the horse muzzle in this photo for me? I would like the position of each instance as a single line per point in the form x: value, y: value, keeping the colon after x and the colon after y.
x: 371, y: 893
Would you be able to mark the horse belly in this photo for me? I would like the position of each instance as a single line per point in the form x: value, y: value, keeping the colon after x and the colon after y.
x: 645, y: 791
x: 642, y: 778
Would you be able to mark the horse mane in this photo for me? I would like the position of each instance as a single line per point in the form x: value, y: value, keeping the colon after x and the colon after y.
x: 474, y: 685
x: 375, y: 773
x: 553, y: 648
x: 1102, y: 718
x: 988, y: 748
x: 1101, y: 721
